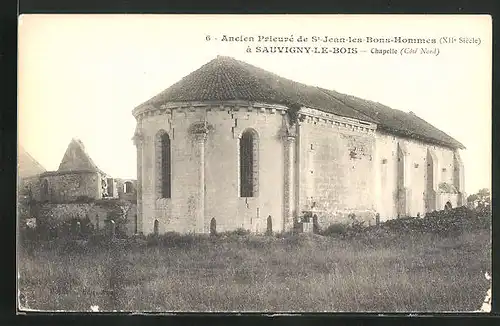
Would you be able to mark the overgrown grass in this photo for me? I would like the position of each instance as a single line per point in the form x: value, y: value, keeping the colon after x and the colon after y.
x: 392, y: 271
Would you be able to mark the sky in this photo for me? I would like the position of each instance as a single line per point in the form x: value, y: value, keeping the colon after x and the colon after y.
x: 80, y: 76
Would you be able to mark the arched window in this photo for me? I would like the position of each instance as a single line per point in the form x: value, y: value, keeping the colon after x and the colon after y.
x: 269, y: 229
x: 448, y: 206
x: 156, y: 227
x: 213, y: 227
x: 163, y: 165
x: 249, y: 164
x: 128, y: 187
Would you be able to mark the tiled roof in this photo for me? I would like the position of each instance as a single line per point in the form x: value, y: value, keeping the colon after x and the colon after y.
x: 225, y: 78
x: 399, y: 122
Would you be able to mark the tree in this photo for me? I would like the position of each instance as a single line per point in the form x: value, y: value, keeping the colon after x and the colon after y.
x: 482, y: 198
x: 484, y: 194
x: 472, y: 198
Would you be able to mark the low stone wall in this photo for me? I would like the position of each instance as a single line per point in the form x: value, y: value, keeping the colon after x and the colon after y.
x: 325, y: 219
x: 97, y: 212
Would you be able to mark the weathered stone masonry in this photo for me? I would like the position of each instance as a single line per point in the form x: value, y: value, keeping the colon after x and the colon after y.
x: 218, y: 167
x: 78, y: 189
x: 313, y: 151
x: 336, y: 166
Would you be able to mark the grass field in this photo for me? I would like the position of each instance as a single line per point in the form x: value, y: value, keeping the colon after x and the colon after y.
x: 395, y: 272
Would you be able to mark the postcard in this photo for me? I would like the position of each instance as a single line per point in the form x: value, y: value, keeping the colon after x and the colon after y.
x: 254, y: 163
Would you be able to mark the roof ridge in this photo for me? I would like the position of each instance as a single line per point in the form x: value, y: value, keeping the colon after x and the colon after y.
x: 226, y: 78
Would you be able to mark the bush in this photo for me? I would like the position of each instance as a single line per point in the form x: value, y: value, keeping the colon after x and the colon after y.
x: 336, y: 229
x: 282, y: 235
x: 83, y: 199
x: 452, y: 222
x: 240, y: 231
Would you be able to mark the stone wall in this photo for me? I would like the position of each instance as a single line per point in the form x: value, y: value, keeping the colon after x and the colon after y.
x: 342, y: 167
x: 120, y: 189
x: 422, y: 167
x: 97, y: 213
x: 221, y: 198
x: 65, y: 187
x: 336, y: 158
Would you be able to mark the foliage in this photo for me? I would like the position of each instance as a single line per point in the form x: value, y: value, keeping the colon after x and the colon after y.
x: 83, y: 200
x: 118, y: 212
x: 295, y: 272
x: 50, y: 227
x: 335, y: 229
x: 454, y: 221
x: 237, y: 232
x: 482, y: 195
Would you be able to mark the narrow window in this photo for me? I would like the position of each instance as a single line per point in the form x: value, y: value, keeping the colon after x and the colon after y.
x: 448, y: 206
x: 248, y: 164
x: 269, y: 229
x: 213, y: 227
x: 163, y: 165
x: 110, y: 187
x: 128, y: 187
x: 156, y: 227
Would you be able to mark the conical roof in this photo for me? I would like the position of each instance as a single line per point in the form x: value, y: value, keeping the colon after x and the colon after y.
x: 225, y: 79
x: 27, y: 166
x: 76, y: 159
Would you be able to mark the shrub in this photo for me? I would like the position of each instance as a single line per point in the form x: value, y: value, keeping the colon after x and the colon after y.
x: 240, y: 231
x: 452, y: 222
x: 357, y: 226
x: 335, y: 229
x: 83, y: 199
x: 282, y: 235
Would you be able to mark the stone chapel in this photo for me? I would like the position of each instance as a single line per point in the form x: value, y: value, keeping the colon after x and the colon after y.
x: 234, y: 146
x: 77, y: 178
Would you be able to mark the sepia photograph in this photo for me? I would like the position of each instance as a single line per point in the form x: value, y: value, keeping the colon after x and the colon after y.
x: 254, y: 163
